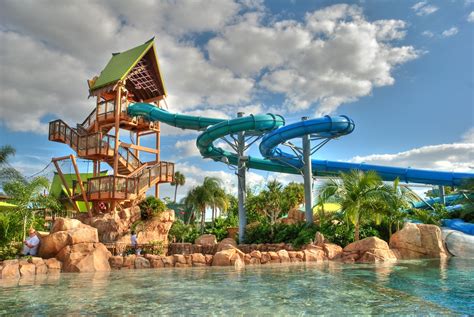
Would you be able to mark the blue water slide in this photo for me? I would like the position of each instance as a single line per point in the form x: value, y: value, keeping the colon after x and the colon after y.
x: 276, y: 133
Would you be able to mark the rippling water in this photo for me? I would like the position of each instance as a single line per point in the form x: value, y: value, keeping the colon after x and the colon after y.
x: 413, y: 287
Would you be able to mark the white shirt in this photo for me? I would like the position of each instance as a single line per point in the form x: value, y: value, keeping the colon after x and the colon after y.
x: 133, y: 239
x: 34, y: 241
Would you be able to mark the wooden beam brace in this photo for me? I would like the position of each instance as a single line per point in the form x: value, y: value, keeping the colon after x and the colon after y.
x: 79, y: 180
x: 139, y: 148
x: 63, y: 180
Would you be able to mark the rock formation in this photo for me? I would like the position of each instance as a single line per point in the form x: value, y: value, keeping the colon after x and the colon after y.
x: 417, y: 241
x: 370, y: 249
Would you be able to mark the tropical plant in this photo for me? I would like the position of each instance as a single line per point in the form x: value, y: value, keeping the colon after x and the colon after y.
x: 394, y: 203
x: 358, y: 193
x: 7, y: 174
x: 5, y: 152
x: 181, y: 232
x: 179, y: 180
x: 209, y: 194
x: 151, y: 207
x: 29, y: 198
x: 433, y: 216
x: 292, y: 196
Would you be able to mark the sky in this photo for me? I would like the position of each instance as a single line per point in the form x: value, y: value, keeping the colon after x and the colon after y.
x: 402, y: 70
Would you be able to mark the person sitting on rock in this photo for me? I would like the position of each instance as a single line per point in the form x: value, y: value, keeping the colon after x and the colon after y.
x: 30, y: 246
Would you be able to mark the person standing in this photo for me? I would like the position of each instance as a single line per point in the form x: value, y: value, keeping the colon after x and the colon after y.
x: 30, y: 245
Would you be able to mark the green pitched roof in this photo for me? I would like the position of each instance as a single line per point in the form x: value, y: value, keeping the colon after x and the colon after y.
x: 120, y: 65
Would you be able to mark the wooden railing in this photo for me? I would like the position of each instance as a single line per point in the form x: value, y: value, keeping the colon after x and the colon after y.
x: 123, y: 187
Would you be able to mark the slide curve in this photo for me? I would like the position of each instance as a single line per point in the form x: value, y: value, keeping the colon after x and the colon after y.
x: 275, y: 133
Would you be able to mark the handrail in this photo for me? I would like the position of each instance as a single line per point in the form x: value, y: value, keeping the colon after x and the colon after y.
x: 88, y: 120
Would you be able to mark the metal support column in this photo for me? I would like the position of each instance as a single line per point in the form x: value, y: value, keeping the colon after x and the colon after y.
x: 442, y: 195
x: 241, y: 182
x: 308, y: 177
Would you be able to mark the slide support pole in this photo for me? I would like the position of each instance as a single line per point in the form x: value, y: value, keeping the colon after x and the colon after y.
x: 241, y: 182
x: 442, y: 195
x: 308, y: 177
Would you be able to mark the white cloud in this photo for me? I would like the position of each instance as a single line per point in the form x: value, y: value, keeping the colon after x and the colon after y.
x: 450, y: 32
x: 306, y: 61
x: 427, y: 33
x: 468, y: 137
x: 187, y: 148
x: 444, y: 157
x: 424, y: 8
x: 470, y: 17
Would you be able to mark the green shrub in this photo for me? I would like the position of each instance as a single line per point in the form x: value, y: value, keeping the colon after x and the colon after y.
x: 151, y: 207
x: 9, y: 251
x: 181, y: 232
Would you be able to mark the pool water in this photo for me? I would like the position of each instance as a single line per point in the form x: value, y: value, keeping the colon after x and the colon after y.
x: 425, y: 287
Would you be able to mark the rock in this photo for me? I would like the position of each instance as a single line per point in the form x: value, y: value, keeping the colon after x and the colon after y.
x: 206, y: 239
x: 198, y: 258
x: 27, y: 269
x: 332, y: 250
x: 366, y: 244
x: 265, y: 258
x: 83, y: 234
x: 142, y: 263
x: 157, y: 228
x: 116, y: 262
x: 54, y: 265
x: 129, y: 261
x: 51, y: 244
x: 41, y: 268
x: 179, y: 258
x: 226, y: 244
x: 168, y: 261
x: 65, y: 224
x: 319, y: 238
x: 182, y: 265
x: 209, y: 258
x: 256, y: 254
x: 314, y: 255
x: 416, y: 241
x: 274, y: 256
x: 284, y: 256
x: 85, y: 257
x: 9, y: 269
x: 254, y: 261
x: 377, y: 251
x: 157, y: 262
x: 227, y: 257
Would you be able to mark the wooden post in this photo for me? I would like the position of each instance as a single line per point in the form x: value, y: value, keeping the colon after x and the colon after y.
x: 137, y: 152
x: 96, y: 128
x: 79, y: 180
x: 118, y: 102
x: 63, y: 180
x: 157, y: 188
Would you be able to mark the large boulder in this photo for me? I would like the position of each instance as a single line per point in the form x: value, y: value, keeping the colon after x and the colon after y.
x: 52, y: 243
x: 157, y: 228
x: 142, y: 263
x: 206, y: 239
x: 416, y: 241
x: 65, y: 224
x: 54, y: 265
x: 85, y: 257
x: 332, y: 250
x: 74, y: 232
x: 371, y: 249
x: 225, y: 244
x: 228, y: 257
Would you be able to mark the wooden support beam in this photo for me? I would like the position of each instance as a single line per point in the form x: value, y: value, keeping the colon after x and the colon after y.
x: 63, y: 180
x: 157, y: 189
x: 140, y: 148
x: 154, y: 99
x: 79, y: 180
x: 62, y: 158
x: 137, y: 142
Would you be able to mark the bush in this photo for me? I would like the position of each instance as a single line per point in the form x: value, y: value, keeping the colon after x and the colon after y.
x: 151, y: 207
x: 296, y: 234
x: 181, y: 232
x: 9, y: 251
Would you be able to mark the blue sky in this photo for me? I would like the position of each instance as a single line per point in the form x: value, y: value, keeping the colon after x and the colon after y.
x: 402, y: 70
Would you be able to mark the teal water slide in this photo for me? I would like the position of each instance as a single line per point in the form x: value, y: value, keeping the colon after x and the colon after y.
x: 275, y: 133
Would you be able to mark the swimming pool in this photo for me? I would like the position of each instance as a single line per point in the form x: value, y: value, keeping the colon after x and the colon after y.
x: 410, y: 287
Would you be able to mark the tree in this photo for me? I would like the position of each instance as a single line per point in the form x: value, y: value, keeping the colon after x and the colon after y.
x: 7, y: 174
x: 209, y: 194
x: 396, y: 199
x: 293, y: 196
x: 358, y: 193
x: 179, y: 180
x: 29, y: 197
x: 5, y: 152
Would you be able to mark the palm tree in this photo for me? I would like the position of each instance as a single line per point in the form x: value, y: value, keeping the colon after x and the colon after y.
x: 5, y: 152
x: 179, y: 180
x: 206, y: 195
x: 396, y: 199
x: 358, y: 193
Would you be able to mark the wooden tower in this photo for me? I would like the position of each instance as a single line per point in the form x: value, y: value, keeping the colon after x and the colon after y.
x: 130, y: 76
